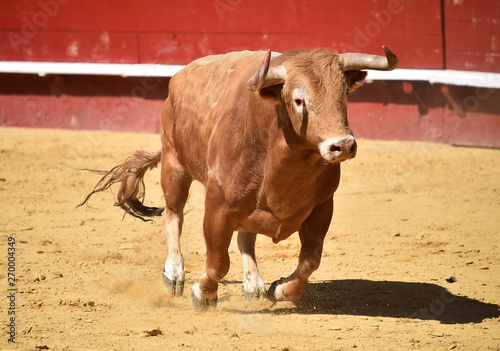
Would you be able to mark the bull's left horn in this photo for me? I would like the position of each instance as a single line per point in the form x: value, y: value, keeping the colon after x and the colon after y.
x: 265, y: 76
x: 356, y: 62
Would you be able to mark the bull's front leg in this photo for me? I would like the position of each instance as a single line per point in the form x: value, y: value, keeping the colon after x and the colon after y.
x: 252, y: 287
x: 218, y: 230
x: 312, y: 235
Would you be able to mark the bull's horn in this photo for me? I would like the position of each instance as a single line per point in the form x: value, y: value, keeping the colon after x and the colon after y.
x: 265, y: 76
x: 356, y: 62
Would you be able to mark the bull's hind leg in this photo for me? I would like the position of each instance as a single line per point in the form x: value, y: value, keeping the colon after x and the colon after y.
x: 312, y: 235
x: 253, y: 287
x: 175, y: 183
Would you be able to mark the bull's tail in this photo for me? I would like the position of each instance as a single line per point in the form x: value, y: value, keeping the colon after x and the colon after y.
x: 130, y: 175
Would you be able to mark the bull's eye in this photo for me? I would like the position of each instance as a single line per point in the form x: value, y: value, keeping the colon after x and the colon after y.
x: 347, y: 93
x: 299, y: 102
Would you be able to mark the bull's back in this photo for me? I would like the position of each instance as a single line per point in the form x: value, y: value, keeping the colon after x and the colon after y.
x: 200, y: 97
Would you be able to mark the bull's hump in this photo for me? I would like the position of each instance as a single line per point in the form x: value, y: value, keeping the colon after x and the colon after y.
x: 212, y: 74
x: 214, y: 70
x: 231, y: 56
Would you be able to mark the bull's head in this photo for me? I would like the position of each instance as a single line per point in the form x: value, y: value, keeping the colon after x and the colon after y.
x: 313, y: 85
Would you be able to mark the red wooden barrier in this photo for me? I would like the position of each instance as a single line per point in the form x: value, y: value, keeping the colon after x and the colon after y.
x: 472, y: 35
x: 175, y: 31
x: 453, y: 34
x: 380, y: 110
x: 158, y: 31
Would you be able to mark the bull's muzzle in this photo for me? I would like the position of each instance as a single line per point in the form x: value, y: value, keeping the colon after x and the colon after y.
x: 336, y: 150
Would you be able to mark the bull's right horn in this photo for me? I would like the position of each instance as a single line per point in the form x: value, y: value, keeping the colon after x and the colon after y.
x: 265, y: 76
x: 356, y: 62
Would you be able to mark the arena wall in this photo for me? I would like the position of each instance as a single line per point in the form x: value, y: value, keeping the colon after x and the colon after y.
x: 428, y: 36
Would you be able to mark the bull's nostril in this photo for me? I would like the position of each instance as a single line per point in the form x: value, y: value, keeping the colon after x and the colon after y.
x: 334, y: 148
x: 354, y: 148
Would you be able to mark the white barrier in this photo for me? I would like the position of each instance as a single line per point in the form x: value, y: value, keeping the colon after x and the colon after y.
x: 451, y: 77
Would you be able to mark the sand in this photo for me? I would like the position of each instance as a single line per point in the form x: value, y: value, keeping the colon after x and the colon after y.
x: 408, y: 217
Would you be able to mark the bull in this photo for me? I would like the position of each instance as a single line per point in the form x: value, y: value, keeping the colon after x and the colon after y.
x: 265, y: 133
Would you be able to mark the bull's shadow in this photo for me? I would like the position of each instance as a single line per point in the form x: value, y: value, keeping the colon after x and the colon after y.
x: 390, y: 299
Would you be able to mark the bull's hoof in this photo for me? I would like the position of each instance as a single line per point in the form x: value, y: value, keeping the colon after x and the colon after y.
x: 253, y: 291
x: 174, y: 288
x: 253, y: 295
x: 275, y: 292
x: 287, y: 289
x: 202, y: 301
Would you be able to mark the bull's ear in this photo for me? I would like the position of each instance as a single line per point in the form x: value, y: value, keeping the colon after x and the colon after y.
x: 354, y: 79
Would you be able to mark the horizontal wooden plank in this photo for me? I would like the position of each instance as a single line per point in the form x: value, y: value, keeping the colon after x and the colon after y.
x: 472, y: 36
x: 84, y: 85
x: 384, y: 110
x: 480, y: 123
x: 473, y: 61
x: 403, y: 122
x: 81, y: 112
x: 82, y: 102
x: 69, y: 15
x: 68, y: 46
x: 415, y: 51
x: 389, y: 110
x: 422, y: 17
x: 467, y: 10
x: 477, y: 129
x: 179, y: 32
x: 373, y: 120
x: 223, y: 15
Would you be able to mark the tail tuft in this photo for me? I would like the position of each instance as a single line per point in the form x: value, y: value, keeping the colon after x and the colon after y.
x: 130, y: 175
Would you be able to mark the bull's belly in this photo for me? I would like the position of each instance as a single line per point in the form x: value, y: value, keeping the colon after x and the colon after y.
x: 266, y: 223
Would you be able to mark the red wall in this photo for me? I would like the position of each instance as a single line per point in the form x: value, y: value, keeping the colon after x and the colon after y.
x: 176, y: 32
x: 433, y: 34
x: 453, y: 34
x: 472, y: 35
x: 384, y: 110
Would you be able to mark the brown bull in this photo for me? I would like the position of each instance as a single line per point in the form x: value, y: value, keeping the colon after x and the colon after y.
x: 268, y: 151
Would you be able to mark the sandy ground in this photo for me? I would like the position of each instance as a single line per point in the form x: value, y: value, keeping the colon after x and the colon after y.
x: 408, y: 217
